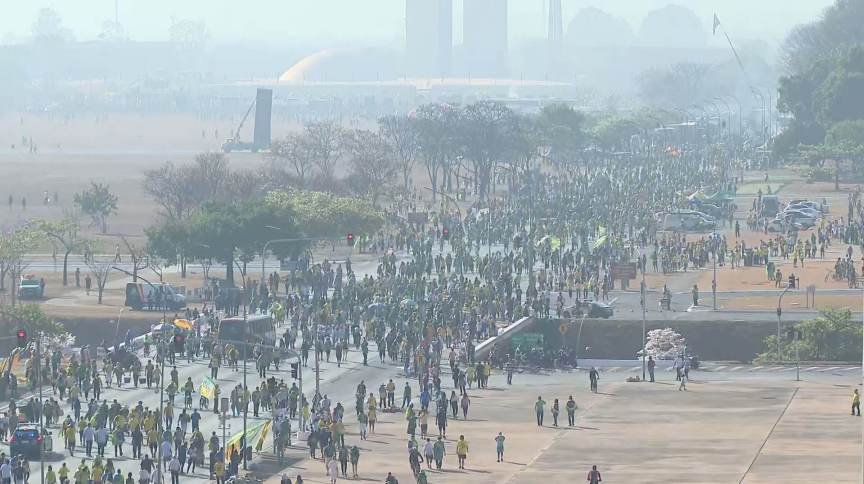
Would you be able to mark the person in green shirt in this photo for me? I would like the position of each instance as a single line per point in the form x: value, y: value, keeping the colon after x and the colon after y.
x: 539, y: 409
x: 50, y: 476
x: 499, y: 446
x: 438, y: 451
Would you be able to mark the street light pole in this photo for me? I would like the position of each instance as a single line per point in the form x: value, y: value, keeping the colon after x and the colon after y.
x: 41, y: 412
x: 779, y: 313
x: 644, y: 306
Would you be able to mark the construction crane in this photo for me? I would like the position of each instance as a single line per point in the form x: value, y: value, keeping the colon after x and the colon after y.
x: 261, y: 138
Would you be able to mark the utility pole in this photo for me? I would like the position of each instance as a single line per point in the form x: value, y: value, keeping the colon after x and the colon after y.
x: 245, y: 388
x: 41, y: 411
x: 644, y: 306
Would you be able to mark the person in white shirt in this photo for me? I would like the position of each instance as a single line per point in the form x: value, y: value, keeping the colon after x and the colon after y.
x: 6, y: 472
x: 143, y: 476
x: 333, y: 470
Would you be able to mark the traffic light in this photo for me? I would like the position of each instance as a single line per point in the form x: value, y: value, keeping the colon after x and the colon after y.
x: 350, y: 240
x: 295, y: 370
x: 445, y: 233
x: 22, y: 338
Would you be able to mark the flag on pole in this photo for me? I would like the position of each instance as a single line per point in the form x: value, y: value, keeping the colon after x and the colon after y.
x: 233, y: 444
x: 716, y: 24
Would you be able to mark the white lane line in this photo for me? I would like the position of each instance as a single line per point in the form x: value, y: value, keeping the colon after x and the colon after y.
x: 755, y: 368
x: 851, y: 368
x: 777, y: 368
x: 720, y: 368
x: 811, y: 368
x: 825, y: 370
x: 636, y: 368
x: 614, y: 368
x: 736, y: 368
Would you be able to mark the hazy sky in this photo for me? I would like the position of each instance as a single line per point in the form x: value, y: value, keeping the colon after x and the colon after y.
x: 374, y: 21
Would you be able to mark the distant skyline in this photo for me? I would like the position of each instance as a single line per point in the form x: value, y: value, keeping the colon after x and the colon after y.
x: 376, y: 21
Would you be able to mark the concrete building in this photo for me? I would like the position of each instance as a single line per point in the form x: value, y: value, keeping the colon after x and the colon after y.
x: 485, y: 38
x: 428, y: 38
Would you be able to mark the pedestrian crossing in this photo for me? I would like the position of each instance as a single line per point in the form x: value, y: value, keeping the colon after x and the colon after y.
x: 707, y: 367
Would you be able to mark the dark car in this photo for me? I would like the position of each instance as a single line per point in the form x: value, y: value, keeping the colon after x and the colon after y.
x: 25, y: 441
x: 595, y: 309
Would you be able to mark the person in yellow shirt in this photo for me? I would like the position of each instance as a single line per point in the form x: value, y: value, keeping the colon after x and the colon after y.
x: 219, y: 471
x: 462, y: 451
x: 63, y: 473
x: 856, y: 403
x: 69, y: 437
x: 97, y: 471
x: 50, y: 476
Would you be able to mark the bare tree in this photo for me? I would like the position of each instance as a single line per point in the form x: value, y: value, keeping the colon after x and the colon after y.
x: 435, y: 135
x: 373, y: 166
x: 292, y: 151
x: 401, y: 133
x: 100, y: 269
x: 138, y: 254
x: 169, y: 186
x: 325, y: 143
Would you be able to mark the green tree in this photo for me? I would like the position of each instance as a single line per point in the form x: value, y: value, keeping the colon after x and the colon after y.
x: 67, y: 233
x: 14, y: 246
x: 31, y: 318
x: 834, y: 335
x: 562, y: 128
x: 98, y: 202
x: 320, y: 214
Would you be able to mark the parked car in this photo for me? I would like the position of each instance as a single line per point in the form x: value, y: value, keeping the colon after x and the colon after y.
x: 595, y: 309
x: 30, y: 287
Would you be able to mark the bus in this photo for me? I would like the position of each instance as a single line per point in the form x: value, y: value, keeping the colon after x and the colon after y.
x: 260, y: 329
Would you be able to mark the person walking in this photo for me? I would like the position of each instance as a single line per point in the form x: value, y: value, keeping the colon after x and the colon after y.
x: 439, y: 451
x: 651, y: 365
x: 856, y: 403
x: 593, y: 376
x: 683, y: 384
x: 556, y: 409
x: 499, y: 446
x: 462, y: 451
x: 539, y: 409
x: 594, y: 476
x: 571, y: 411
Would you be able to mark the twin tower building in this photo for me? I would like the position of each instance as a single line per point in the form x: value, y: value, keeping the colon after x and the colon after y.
x: 429, y: 45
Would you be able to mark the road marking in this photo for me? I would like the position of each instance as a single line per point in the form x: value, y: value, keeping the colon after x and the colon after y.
x: 635, y: 368
x: 736, y: 368
x: 720, y: 368
x: 830, y: 369
x: 811, y: 368
x: 761, y: 447
x: 756, y: 368
x: 613, y: 369
x: 777, y: 368
x: 851, y: 368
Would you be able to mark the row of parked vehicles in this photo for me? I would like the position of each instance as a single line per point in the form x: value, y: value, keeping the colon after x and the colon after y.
x: 798, y: 214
